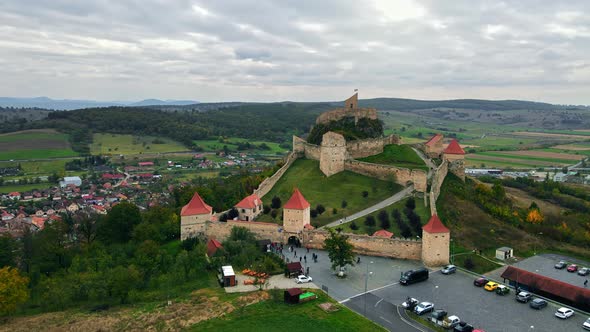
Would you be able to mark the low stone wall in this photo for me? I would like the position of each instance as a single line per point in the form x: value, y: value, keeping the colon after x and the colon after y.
x: 266, y: 185
x: 222, y: 230
x: 369, y: 245
x: 437, y: 180
x: 385, y: 172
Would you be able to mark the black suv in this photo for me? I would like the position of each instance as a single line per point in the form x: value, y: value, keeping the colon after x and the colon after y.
x: 463, y: 327
x: 524, y: 297
x: 538, y: 304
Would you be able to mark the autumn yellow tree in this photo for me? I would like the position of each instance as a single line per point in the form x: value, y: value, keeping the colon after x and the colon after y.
x: 534, y: 217
x: 13, y: 290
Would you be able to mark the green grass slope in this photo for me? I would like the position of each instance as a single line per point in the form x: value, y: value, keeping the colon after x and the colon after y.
x: 397, y: 155
x: 328, y: 191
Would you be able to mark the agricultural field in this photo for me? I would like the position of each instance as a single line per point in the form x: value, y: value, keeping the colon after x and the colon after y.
x: 35, y: 144
x: 328, y: 191
x: 522, y: 159
x: 114, y: 144
x: 397, y: 155
x: 25, y: 187
x: 421, y: 210
x: 232, y: 145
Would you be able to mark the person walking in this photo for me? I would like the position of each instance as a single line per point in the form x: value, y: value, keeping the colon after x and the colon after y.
x: 300, y: 258
x: 586, y: 283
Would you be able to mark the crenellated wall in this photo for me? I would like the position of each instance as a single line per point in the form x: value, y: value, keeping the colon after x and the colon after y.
x: 341, y: 113
x: 369, y: 245
x: 371, y: 146
x: 386, y: 172
x: 266, y: 185
x: 437, y: 180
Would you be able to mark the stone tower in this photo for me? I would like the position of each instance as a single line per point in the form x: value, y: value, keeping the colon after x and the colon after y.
x: 352, y: 102
x: 296, y: 213
x: 332, y: 153
x: 455, y: 155
x: 436, y: 240
x: 193, y: 217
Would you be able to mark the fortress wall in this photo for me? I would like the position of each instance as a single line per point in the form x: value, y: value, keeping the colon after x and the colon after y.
x: 222, y: 230
x: 437, y: 180
x: 266, y: 185
x: 341, y: 113
x: 385, y: 172
x: 370, y: 146
x: 369, y: 245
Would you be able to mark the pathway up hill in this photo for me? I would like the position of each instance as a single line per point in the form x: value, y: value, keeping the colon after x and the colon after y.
x: 328, y: 191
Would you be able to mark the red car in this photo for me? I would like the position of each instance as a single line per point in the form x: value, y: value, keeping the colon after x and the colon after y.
x: 572, y: 268
x: 480, y: 282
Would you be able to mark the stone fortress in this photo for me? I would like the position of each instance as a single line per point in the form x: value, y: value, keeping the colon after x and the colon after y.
x: 335, y: 155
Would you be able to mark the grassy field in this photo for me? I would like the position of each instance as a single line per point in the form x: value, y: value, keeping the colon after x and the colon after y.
x: 232, y: 145
x: 421, y: 210
x: 276, y: 315
x: 397, y: 155
x: 480, y: 265
x: 523, y: 159
x: 24, y: 187
x: 330, y: 192
x: 113, y: 144
x: 34, y: 144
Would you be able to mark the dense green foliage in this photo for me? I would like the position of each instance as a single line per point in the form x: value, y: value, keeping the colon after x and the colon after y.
x: 364, y: 128
x: 339, y: 249
x: 272, y: 122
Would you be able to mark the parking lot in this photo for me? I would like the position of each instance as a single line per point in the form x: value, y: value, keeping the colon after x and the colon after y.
x: 543, y: 265
x: 454, y: 293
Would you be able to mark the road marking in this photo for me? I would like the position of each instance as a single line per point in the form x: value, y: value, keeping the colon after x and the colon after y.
x: 376, y: 304
x: 407, y: 322
x: 369, y: 291
x: 385, y: 319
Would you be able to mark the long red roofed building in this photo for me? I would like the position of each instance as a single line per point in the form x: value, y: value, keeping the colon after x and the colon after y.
x: 434, y: 146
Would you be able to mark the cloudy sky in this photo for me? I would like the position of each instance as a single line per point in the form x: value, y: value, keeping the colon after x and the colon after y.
x: 301, y: 50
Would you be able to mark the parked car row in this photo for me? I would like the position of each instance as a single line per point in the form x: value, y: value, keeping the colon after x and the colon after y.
x: 584, y: 271
x: 438, y: 316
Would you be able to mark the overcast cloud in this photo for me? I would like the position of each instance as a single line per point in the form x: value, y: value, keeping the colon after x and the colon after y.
x: 302, y: 50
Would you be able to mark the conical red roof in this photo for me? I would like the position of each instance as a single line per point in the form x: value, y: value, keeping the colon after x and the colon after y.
x: 454, y: 148
x: 434, y: 225
x: 196, y: 206
x: 297, y: 201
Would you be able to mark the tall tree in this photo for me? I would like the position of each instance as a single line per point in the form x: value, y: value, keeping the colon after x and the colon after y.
x: 8, y: 248
x: 13, y: 290
x: 118, y: 226
x: 383, y: 217
x: 339, y: 249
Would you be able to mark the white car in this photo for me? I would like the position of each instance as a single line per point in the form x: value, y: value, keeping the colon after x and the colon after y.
x: 586, y: 324
x: 564, y: 313
x: 423, y: 308
x: 301, y: 279
x: 409, y: 303
x: 449, y: 269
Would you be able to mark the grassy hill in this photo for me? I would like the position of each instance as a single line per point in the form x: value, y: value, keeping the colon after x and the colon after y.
x: 33, y: 144
x: 329, y: 191
x: 110, y: 144
x: 398, y: 155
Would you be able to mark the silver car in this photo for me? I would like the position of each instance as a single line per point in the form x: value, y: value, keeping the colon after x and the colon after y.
x: 449, y: 269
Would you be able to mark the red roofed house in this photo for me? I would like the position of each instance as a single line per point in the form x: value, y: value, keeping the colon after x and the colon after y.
x: 145, y: 164
x: 436, y: 239
x: 212, y: 247
x: 455, y: 156
x: 249, y: 208
x: 14, y: 195
x: 7, y: 216
x: 434, y: 147
x: 193, y: 217
x: 383, y: 233
x: 39, y: 222
x: 296, y: 213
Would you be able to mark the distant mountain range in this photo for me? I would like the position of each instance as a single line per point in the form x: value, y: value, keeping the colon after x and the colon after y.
x: 72, y: 104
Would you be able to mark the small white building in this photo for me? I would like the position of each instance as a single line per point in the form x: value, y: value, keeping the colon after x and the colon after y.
x: 504, y: 253
x: 559, y: 177
x: 68, y: 180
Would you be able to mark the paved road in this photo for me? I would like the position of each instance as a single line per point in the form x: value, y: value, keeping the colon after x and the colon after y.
x: 406, y: 192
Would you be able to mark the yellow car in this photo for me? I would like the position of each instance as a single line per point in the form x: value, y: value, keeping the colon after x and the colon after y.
x: 491, y: 286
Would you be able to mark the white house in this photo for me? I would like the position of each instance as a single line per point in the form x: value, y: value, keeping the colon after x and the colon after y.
x: 559, y: 177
